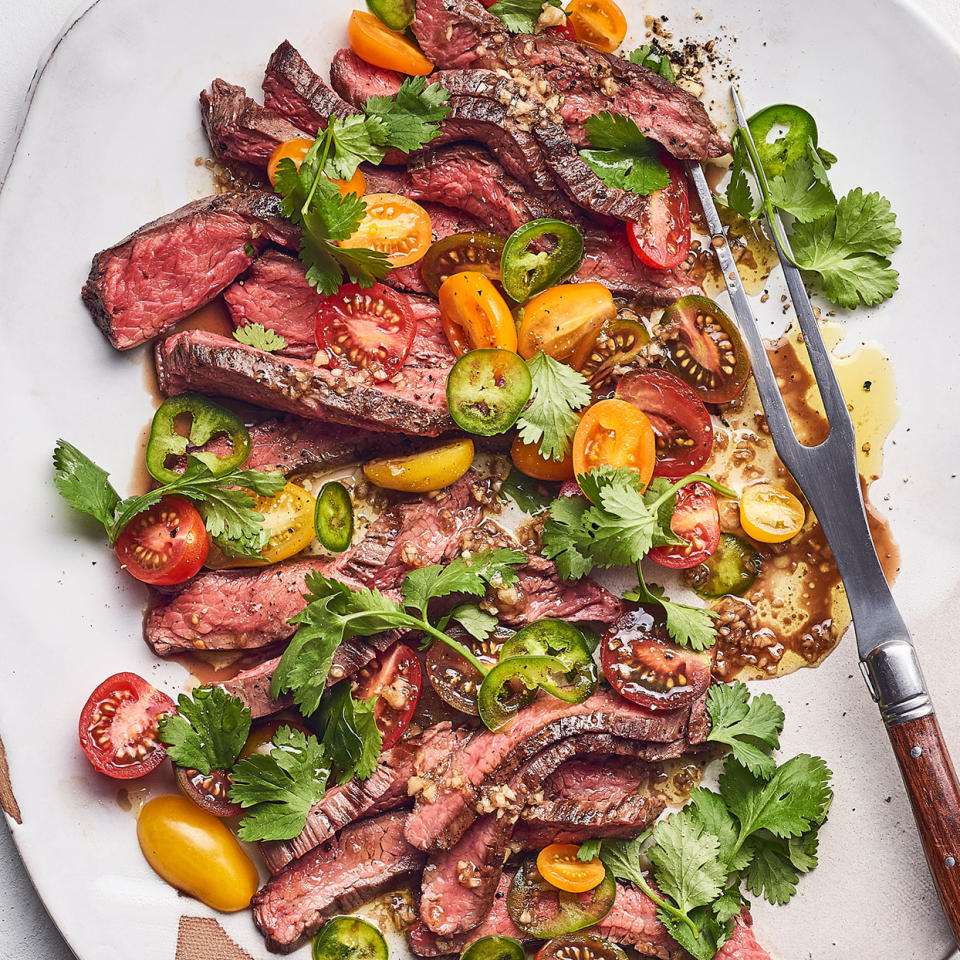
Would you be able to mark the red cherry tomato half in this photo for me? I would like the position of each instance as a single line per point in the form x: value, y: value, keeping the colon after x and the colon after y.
x: 564, y: 30
x: 119, y: 730
x: 661, y: 238
x: 166, y: 544
x: 642, y: 664
x: 696, y: 518
x: 395, y: 678
x: 209, y: 791
x: 369, y: 329
x: 680, y: 421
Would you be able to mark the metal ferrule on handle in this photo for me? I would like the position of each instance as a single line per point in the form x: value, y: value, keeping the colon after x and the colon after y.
x: 896, y: 682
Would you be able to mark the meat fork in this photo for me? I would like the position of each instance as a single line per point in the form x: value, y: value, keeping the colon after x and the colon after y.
x: 828, y: 476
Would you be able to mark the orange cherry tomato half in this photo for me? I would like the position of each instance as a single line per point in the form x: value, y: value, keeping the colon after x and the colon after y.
x: 559, y: 866
x: 598, y: 23
x: 558, y: 320
x: 474, y: 315
x: 395, y: 226
x: 383, y: 47
x: 615, y: 433
x: 526, y: 458
x: 296, y: 150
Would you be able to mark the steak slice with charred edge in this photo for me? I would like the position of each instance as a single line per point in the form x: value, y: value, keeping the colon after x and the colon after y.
x: 365, y: 859
x: 239, y: 609
x: 459, y: 884
x: 239, y: 129
x: 356, y: 81
x: 441, y: 817
x: 140, y: 287
x: 414, y: 402
x: 462, y: 34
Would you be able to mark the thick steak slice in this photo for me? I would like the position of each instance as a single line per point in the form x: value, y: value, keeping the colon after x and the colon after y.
x: 444, y: 812
x: 161, y: 273
x: 596, y: 777
x: 742, y: 944
x: 275, y: 293
x: 238, y: 609
x: 574, y: 821
x: 356, y: 80
x: 416, y: 404
x: 240, y: 129
x: 462, y: 34
x: 367, y: 858
x: 294, y: 91
x: 344, y: 804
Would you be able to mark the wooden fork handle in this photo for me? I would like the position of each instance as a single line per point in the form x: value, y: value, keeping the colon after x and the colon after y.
x: 934, y: 794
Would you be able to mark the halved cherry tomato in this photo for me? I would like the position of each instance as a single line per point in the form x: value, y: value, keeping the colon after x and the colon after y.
x: 474, y: 315
x: 383, y: 47
x: 395, y: 226
x: 259, y: 740
x: 209, y: 791
x: 661, y: 238
x: 119, y: 726
x: 564, y: 30
x: 369, y: 329
x: 708, y: 353
x: 166, y: 544
x: 457, y: 681
x: 296, y: 150
x: 598, y: 23
x: 558, y: 320
x: 615, y: 433
x: 770, y: 514
x: 615, y: 346
x: 395, y: 678
x: 642, y: 663
x: 476, y: 252
x: 558, y: 865
x: 196, y: 853
x: 580, y: 946
x: 696, y: 518
x: 526, y: 458
x: 422, y: 472
x: 679, y: 419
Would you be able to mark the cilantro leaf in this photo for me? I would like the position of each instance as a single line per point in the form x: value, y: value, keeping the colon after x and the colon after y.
x: 565, y: 541
x: 622, y: 157
x: 803, y: 189
x: 622, y: 859
x: 354, y: 139
x: 409, y: 120
x: 351, y: 740
x: 550, y: 418
x: 771, y: 873
x: 746, y: 726
x: 716, y: 819
x: 524, y: 491
x: 84, y: 485
x: 256, y: 335
x: 685, y: 861
x: 655, y: 59
x: 478, y: 623
x: 588, y: 850
x: 848, y: 249
x: 739, y: 194
x: 208, y: 730
x: 520, y: 16
x: 278, y: 790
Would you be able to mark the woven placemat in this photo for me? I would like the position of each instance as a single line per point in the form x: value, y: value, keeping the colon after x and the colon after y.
x: 7, y: 800
x: 202, y: 938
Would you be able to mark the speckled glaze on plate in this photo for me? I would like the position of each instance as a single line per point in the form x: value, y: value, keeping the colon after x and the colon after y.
x: 110, y: 142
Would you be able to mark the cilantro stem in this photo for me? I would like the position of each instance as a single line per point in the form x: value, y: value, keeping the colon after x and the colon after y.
x: 664, y: 905
x: 327, y: 140
x: 685, y: 482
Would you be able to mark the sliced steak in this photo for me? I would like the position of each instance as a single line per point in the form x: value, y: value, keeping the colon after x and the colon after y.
x: 143, y: 285
x: 356, y: 80
x: 415, y: 404
x: 367, y: 858
x: 597, y: 777
x: 292, y: 89
x: 443, y: 814
x: 240, y: 129
x: 742, y: 944
x: 240, y: 609
x: 275, y: 293
x: 462, y: 34
x: 574, y: 821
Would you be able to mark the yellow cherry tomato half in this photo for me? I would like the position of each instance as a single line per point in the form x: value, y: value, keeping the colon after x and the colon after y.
x: 195, y: 852
x: 526, y: 458
x: 559, y: 866
x: 559, y: 319
x: 383, y: 47
x: 615, y: 433
x: 422, y: 472
x: 288, y: 518
x: 598, y: 23
x: 296, y: 150
x: 395, y: 226
x: 770, y: 514
x: 474, y: 315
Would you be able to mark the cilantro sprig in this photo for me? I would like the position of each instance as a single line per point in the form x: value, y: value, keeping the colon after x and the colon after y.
x: 349, y: 734
x: 208, y: 730
x: 259, y: 336
x: 758, y: 831
x: 520, y: 16
x: 621, y: 156
x: 550, y: 418
x: 225, y: 501
x: 688, y: 626
x: 654, y: 58
x: 335, y: 613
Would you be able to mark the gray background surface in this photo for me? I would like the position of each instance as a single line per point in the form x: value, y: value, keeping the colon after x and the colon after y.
x: 27, y: 29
